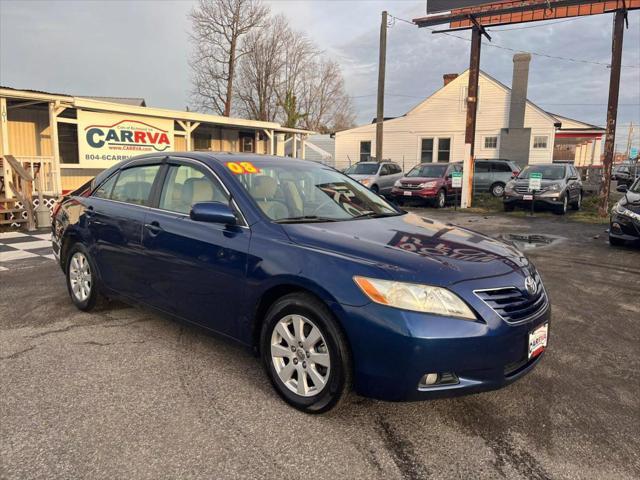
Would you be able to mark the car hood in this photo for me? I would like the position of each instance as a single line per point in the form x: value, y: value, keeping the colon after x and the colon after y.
x: 361, y: 177
x: 543, y: 183
x: 418, y: 180
x: 631, y: 201
x: 413, y: 249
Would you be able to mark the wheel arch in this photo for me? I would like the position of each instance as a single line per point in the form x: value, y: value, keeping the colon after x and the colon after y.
x: 285, y: 287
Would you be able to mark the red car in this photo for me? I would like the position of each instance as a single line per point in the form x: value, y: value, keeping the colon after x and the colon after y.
x: 427, y: 181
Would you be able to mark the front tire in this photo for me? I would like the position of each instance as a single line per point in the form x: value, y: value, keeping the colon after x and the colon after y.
x: 577, y: 205
x: 81, y: 278
x: 441, y: 199
x: 375, y: 189
x: 562, y: 209
x: 305, y: 353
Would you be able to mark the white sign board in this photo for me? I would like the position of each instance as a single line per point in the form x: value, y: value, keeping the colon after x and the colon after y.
x: 107, y: 138
x: 456, y: 180
x: 535, y: 182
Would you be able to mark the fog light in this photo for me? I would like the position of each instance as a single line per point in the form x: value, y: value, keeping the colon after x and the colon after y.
x: 429, y: 379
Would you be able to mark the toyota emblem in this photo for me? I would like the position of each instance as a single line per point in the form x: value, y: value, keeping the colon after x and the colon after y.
x: 531, y: 286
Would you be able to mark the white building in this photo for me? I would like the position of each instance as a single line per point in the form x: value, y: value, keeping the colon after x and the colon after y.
x: 434, y: 130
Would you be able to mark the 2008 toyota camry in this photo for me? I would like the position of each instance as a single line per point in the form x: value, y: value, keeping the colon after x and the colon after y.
x: 333, y: 286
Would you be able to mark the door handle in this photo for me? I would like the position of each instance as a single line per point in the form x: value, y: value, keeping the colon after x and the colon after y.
x: 153, y: 228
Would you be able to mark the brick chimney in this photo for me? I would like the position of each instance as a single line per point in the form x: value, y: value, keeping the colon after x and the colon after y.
x: 449, y: 77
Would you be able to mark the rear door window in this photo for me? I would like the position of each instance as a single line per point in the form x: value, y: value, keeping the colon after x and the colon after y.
x: 482, y: 167
x: 500, y: 167
x: 104, y: 190
x: 185, y: 185
x: 133, y: 185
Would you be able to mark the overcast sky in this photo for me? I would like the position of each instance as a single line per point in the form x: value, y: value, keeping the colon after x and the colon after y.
x: 139, y: 49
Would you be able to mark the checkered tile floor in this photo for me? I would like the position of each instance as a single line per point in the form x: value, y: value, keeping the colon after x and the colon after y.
x: 16, y: 246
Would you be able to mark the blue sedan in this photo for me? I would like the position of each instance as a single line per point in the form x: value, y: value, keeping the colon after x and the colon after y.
x: 334, y: 287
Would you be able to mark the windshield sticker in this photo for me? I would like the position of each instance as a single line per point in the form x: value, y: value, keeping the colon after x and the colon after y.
x: 241, y: 168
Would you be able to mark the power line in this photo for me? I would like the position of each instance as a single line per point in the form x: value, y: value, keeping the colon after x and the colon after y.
x: 538, y: 54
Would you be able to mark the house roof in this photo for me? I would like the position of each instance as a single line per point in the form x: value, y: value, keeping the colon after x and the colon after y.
x: 138, y: 102
x: 581, y: 125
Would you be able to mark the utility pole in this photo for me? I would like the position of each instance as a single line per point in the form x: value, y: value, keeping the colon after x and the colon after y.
x: 612, y: 109
x: 472, y: 110
x: 381, y: 73
x: 629, y: 140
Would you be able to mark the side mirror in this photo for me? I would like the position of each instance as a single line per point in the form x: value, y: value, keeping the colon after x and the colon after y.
x: 213, y: 212
x: 573, y: 178
x: 622, y: 188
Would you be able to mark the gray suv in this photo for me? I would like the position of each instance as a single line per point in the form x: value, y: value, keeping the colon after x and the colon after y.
x: 561, y: 187
x: 378, y: 176
x: 492, y: 175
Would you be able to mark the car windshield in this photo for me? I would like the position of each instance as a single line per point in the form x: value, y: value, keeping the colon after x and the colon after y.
x: 362, y: 169
x: 549, y: 172
x: 429, y: 171
x: 300, y: 191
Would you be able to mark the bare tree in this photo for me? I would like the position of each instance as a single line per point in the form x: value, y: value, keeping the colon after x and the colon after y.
x: 323, y: 98
x: 261, y: 70
x: 218, y: 30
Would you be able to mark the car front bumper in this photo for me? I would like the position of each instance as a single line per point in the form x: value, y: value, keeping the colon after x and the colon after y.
x: 554, y: 199
x: 624, y: 227
x: 426, y: 193
x: 393, y: 349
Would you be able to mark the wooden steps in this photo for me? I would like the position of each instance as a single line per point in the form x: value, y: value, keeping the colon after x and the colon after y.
x: 8, y: 207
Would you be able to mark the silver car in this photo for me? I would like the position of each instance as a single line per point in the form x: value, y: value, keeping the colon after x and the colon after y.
x: 378, y: 176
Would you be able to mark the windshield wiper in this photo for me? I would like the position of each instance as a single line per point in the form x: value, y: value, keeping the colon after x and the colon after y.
x: 376, y: 215
x: 306, y: 219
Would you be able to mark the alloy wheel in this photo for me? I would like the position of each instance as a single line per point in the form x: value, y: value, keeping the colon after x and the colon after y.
x: 300, y: 355
x: 441, y: 199
x: 498, y: 190
x: 80, y: 276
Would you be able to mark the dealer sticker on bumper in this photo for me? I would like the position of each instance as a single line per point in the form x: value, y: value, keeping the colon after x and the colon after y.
x: 407, y: 194
x: 538, y: 340
x: 527, y: 197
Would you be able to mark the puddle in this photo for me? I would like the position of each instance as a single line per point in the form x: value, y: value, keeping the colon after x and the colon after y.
x: 529, y: 241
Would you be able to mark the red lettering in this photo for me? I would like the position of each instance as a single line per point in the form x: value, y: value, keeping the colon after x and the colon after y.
x: 163, y: 138
x: 153, y: 137
x: 139, y: 137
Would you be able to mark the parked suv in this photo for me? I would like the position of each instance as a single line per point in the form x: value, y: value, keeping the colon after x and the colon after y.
x: 493, y: 175
x: 428, y: 181
x: 379, y: 177
x: 561, y: 187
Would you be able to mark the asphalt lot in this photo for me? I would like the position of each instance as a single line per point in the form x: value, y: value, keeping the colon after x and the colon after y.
x: 123, y: 393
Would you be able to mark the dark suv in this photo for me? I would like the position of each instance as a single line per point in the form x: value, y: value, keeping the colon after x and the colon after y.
x: 561, y: 188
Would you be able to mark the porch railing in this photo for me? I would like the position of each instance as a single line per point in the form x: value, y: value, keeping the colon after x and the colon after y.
x: 41, y: 169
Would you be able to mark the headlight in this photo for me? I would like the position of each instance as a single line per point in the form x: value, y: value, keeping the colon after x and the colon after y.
x: 398, y: 184
x: 365, y: 181
x: 428, y: 184
x: 554, y: 187
x: 415, y: 297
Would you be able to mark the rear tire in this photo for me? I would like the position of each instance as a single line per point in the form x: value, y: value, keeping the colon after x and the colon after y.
x: 497, y: 189
x: 310, y: 375
x: 81, y: 278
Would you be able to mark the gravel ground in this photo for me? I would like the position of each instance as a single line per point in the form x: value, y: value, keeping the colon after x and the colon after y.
x: 124, y: 393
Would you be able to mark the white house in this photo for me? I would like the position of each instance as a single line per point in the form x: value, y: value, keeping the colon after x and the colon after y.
x: 434, y: 130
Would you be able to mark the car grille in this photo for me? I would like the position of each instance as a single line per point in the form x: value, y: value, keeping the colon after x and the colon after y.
x: 410, y: 186
x: 522, y: 188
x: 513, y: 304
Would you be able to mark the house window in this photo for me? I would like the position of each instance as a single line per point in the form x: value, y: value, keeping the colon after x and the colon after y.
x: 365, y: 151
x: 247, y: 140
x: 490, y: 142
x: 540, y: 141
x: 444, y: 149
x: 426, y: 150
